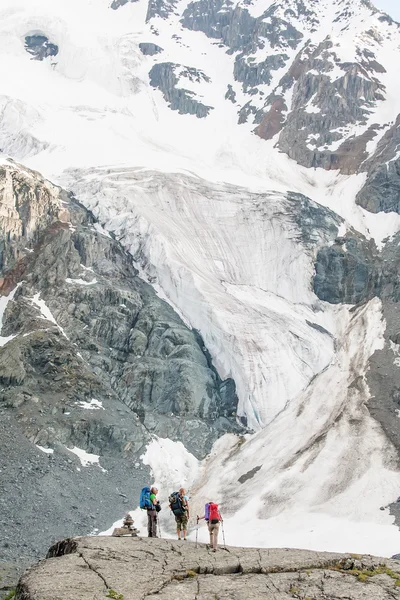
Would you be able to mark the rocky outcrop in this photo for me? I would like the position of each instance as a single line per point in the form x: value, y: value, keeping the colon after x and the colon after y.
x: 237, y: 29
x: 149, y: 49
x: 347, y: 271
x: 117, y: 3
x: 90, y: 359
x: 137, y: 569
x: 381, y: 192
x: 353, y: 270
x: 160, y: 8
x: 40, y: 47
x: 252, y: 74
x: 167, y: 76
x: 324, y: 106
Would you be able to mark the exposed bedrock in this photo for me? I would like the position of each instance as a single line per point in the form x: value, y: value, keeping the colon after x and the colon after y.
x: 118, y: 3
x: 381, y: 192
x: 39, y: 46
x: 167, y: 76
x: 346, y: 272
x: 149, y: 49
x: 136, y: 568
x: 236, y: 28
x: 323, y: 108
x: 160, y: 8
x: 353, y: 270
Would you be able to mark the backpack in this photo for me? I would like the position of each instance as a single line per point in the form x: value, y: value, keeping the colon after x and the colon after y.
x: 176, y: 504
x: 213, y: 514
x: 145, y: 501
x: 207, y: 511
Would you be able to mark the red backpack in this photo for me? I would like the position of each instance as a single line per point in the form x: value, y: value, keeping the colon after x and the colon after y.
x: 214, y: 516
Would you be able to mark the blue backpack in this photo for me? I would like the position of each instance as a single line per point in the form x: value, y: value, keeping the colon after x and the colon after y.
x: 145, y: 498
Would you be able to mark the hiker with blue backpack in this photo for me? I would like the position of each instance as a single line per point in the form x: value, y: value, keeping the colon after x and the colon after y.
x: 179, y: 505
x: 149, y: 502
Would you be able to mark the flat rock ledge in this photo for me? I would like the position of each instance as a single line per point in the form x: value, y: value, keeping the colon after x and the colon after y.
x: 95, y: 568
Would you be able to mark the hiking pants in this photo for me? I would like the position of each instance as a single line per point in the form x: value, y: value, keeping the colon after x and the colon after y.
x: 213, y: 530
x: 152, y: 523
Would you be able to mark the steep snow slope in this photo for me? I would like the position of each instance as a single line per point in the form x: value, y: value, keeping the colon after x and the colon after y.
x: 317, y: 475
x: 152, y: 144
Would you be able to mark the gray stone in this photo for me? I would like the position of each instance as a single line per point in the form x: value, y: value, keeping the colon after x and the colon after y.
x: 381, y: 192
x: 149, y: 49
x: 236, y: 28
x: 346, y: 272
x: 335, y: 104
x: 252, y: 74
x: 40, y: 47
x: 163, y: 76
x: 160, y: 8
x: 117, y: 3
x: 136, y: 568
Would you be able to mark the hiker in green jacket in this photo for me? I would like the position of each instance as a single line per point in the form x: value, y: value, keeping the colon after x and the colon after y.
x: 152, y: 513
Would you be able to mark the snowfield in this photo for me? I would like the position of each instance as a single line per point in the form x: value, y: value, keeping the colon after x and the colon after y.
x: 202, y: 206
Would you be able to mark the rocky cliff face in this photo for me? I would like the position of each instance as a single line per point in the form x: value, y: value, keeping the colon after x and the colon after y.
x: 296, y: 81
x: 381, y: 192
x: 90, y: 359
x: 315, y: 75
x: 133, y: 569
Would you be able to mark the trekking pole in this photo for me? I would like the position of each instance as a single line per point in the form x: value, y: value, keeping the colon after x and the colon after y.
x: 159, y: 527
x: 223, y: 534
x: 197, y: 530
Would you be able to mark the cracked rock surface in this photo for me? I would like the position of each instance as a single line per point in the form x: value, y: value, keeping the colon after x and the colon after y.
x: 148, y: 569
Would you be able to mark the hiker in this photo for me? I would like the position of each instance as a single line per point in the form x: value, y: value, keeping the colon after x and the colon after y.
x: 178, y: 503
x: 149, y: 502
x: 213, y: 519
x: 152, y: 513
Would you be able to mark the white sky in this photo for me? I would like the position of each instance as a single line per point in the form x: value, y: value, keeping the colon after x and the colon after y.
x: 392, y: 7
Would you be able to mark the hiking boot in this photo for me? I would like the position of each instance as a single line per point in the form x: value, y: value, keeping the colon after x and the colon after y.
x: 215, y: 549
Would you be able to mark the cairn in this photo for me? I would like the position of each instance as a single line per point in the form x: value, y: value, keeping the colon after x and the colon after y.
x: 127, y: 528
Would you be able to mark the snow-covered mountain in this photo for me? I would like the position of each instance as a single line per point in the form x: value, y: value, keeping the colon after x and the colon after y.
x: 246, y: 155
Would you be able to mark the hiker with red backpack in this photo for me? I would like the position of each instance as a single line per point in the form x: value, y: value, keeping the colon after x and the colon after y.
x: 149, y: 502
x: 179, y: 505
x: 213, y: 519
